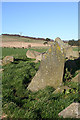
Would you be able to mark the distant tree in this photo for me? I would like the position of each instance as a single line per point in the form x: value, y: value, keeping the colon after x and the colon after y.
x: 78, y: 42
x: 47, y: 39
x: 74, y: 43
x: 45, y: 43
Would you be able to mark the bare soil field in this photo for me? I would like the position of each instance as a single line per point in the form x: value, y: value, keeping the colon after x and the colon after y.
x: 21, y: 44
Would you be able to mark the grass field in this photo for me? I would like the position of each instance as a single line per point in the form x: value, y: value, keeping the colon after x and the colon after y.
x: 20, y: 39
x: 19, y: 52
x: 22, y: 52
x: 18, y: 102
x: 76, y: 48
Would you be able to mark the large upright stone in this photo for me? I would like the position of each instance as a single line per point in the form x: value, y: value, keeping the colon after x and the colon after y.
x: 51, y: 69
x: 67, y: 49
x: 61, y: 43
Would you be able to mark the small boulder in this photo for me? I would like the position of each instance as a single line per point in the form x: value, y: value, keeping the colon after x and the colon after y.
x: 76, y: 78
x: 76, y: 54
x: 70, y: 53
x: 1, y: 70
x: 7, y: 60
x: 61, y: 89
x: 34, y: 55
x: 72, y: 111
x: 0, y: 62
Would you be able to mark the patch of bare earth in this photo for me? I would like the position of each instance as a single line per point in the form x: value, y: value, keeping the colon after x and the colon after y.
x: 22, y: 44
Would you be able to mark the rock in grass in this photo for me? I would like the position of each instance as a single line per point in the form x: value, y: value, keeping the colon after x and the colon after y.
x: 1, y: 70
x: 61, y: 89
x: 72, y: 111
x: 76, y: 78
x: 76, y: 54
x: 7, y: 60
x: 70, y: 53
x: 0, y: 62
x: 34, y: 55
x: 51, y: 69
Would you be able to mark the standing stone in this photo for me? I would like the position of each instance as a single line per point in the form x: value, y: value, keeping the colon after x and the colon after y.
x: 61, y: 43
x: 67, y: 49
x: 51, y: 69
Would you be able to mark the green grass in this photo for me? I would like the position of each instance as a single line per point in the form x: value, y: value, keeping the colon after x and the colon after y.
x: 76, y: 48
x: 19, y: 102
x: 20, y: 39
x: 13, y: 52
x: 41, y: 50
x: 19, y: 52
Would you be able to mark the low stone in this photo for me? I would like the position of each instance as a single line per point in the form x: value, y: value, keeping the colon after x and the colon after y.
x: 76, y: 78
x: 61, y: 89
x: 72, y: 111
x: 0, y: 62
x: 70, y: 53
x: 7, y: 60
x: 39, y: 57
x: 34, y: 55
x: 1, y: 70
x: 75, y: 54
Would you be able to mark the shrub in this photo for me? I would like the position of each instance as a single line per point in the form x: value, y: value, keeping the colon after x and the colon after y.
x: 67, y: 76
x: 45, y: 43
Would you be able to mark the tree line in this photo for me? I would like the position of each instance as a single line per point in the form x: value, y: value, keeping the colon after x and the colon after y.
x: 74, y: 43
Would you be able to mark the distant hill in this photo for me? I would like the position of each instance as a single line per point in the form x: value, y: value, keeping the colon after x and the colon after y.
x: 16, y: 35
